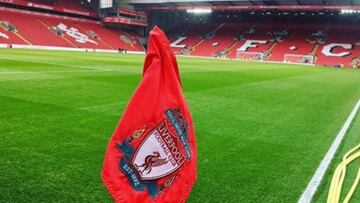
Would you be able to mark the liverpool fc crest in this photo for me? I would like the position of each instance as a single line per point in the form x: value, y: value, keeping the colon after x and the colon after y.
x: 156, y: 158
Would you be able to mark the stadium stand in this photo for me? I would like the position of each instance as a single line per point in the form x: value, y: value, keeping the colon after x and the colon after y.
x: 295, y: 43
x: 291, y: 41
x: 220, y: 40
x: 32, y: 28
x: 328, y: 45
x: 251, y: 32
x: 193, y: 36
x: 71, y: 4
x: 77, y: 7
x: 343, y: 55
x: 44, y: 2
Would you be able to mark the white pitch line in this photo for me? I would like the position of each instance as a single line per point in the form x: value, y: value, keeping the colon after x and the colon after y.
x: 55, y: 63
x: 315, y: 181
x: 50, y: 71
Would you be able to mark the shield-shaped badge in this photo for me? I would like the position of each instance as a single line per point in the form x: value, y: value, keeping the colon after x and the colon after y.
x: 159, y: 154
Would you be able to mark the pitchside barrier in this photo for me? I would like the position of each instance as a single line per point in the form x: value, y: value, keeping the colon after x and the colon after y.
x: 20, y: 46
x: 249, y: 56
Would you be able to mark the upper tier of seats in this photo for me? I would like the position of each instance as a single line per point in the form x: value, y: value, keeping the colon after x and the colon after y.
x: 75, y: 7
x: 67, y: 4
x: 50, y: 30
x: 71, y: 4
x: 329, y: 45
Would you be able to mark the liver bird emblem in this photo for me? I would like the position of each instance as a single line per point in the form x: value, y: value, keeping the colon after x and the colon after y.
x: 151, y: 161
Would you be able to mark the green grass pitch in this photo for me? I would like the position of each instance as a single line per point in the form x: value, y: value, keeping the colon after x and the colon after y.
x: 262, y: 129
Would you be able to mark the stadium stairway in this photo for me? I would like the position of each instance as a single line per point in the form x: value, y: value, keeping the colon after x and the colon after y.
x: 95, y: 31
x: 194, y: 35
x: 297, y: 39
x: 224, y: 37
x: 64, y: 42
x: 128, y: 40
x: 9, y: 37
x: 31, y: 30
x: 298, y: 42
x: 260, y: 34
x: 230, y: 48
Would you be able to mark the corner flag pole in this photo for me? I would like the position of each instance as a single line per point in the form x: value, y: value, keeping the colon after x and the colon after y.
x: 315, y: 181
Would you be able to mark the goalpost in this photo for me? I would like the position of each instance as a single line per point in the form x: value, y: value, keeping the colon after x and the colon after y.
x: 250, y: 56
x: 304, y: 59
x: 299, y: 59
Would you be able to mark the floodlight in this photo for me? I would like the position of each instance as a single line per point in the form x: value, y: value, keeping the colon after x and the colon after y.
x: 349, y: 11
x: 199, y: 11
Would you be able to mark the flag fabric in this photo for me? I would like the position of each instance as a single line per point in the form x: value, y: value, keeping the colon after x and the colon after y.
x: 152, y: 156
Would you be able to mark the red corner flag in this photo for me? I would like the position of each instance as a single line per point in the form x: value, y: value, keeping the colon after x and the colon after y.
x: 151, y: 156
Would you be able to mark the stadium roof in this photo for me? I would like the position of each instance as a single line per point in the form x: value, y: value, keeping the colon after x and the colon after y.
x: 248, y: 2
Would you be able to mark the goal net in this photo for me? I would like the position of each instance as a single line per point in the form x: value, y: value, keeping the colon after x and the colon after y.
x: 250, y: 56
x: 300, y: 59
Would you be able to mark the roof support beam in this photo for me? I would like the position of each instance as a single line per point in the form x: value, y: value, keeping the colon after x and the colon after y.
x: 253, y: 3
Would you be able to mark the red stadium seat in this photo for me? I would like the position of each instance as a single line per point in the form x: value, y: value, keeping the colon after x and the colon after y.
x: 35, y: 29
x: 298, y: 41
